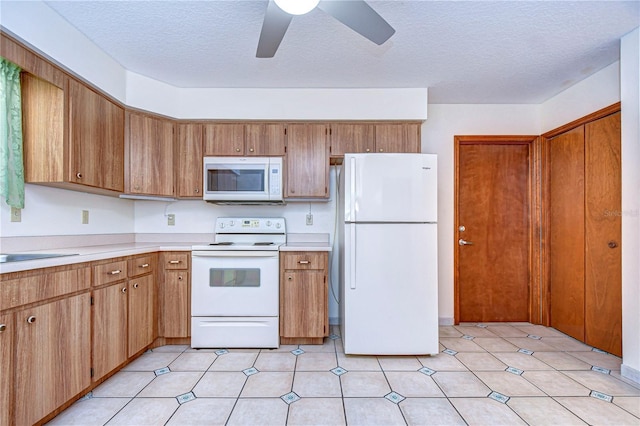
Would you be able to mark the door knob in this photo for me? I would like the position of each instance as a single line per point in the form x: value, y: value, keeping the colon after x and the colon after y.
x: 464, y: 243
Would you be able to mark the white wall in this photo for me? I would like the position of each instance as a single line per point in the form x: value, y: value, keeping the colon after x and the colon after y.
x: 445, y: 122
x: 630, y: 93
x: 53, y: 211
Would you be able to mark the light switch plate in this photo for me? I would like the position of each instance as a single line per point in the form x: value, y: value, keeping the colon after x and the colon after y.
x: 171, y: 219
x: 309, y: 219
x: 85, y: 217
x: 16, y: 215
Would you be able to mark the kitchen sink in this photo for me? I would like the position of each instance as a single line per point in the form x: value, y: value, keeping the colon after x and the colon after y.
x: 17, y: 257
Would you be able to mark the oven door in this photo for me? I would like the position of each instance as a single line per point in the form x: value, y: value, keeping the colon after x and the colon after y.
x: 235, y: 283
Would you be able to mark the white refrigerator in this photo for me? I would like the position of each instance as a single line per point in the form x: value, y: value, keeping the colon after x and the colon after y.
x: 388, y: 253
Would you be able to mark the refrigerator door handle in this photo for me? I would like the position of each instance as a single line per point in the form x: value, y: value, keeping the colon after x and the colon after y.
x: 352, y: 258
x: 352, y: 187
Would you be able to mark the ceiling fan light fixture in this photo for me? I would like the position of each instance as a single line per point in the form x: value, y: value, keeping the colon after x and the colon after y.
x: 297, y: 7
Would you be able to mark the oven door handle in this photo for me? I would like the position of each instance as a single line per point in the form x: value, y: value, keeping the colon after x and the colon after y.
x: 256, y: 253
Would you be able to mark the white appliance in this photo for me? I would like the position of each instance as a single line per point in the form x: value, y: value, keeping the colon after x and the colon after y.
x: 388, y: 249
x: 235, y: 285
x: 243, y: 180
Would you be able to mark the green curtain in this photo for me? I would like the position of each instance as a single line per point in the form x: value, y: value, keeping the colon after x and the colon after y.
x: 11, y: 164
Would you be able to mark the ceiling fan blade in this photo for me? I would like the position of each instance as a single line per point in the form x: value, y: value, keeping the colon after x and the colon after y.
x: 276, y: 22
x: 360, y: 17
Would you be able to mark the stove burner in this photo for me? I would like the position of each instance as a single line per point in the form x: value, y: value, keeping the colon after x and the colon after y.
x: 263, y: 244
x: 221, y: 244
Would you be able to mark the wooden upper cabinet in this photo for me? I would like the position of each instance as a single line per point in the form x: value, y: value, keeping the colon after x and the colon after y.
x: 150, y: 165
x: 351, y: 137
x: 266, y: 139
x: 96, y: 139
x: 72, y: 137
x: 189, y: 161
x: 307, y: 161
x: 223, y: 139
x: 397, y: 137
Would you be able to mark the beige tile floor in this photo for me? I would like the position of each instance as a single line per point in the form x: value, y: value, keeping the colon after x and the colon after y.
x: 485, y: 374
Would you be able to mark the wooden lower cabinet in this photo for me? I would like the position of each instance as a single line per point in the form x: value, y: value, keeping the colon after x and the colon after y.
x: 175, y: 295
x: 109, y: 338
x: 141, y: 313
x: 53, y: 356
x: 304, y: 315
x: 7, y: 329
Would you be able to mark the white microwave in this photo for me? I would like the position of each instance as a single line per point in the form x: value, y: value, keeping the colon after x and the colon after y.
x: 243, y: 180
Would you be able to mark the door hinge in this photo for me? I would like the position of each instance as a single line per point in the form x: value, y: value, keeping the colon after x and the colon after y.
x: 91, y: 300
x: 325, y: 279
x: 285, y: 130
x: 91, y: 372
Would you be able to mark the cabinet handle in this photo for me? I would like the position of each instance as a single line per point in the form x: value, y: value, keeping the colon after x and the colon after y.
x: 124, y: 289
x: 79, y: 175
x: 250, y: 149
x: 303, y: 262
x: 612, y: 244
x: 175, y: 262
x: 290, y: 278
x: 237, y: 149
x: 144, y: 265
x: 3, y: 327
x: 136, y: 285
x: 381, y: 150
x: 31, y: 319
x: 197, y: 191
x: 179, y: 277
x: 367, y: 150
x: 116, y: 272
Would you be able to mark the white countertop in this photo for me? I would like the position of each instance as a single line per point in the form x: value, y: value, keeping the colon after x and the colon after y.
x: 305, y: 247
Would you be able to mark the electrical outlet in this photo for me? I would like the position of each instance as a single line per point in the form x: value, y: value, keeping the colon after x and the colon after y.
x: 309, y: 219
x: 171, y: 219
x: 16, y: 215
x: 85, y: 217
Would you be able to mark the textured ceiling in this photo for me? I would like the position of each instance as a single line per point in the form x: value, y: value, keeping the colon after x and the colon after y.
x: 464, y: 52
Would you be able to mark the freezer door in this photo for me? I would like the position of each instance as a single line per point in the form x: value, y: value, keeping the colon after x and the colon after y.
x: 390, y: 187
x: 390, y: 289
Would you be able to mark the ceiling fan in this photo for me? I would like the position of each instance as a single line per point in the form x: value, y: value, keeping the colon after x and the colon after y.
x: 355, y: 14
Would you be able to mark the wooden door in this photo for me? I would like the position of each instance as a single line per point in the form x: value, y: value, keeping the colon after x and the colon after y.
x: 351, y: 137
x: 493, y: 215
x: 7, y: 330
x: 304, y: 304
x: 53, y: 356
x: 150, y: 155
x: 397, y: 137
x: 96, y: 139
x: 307, y: 161
x: 189, y: 161
x: 566, y: 231
x: 141, y: 313
x: 109, y: 325
x: 224, y: 139
x: 176, y: 302
x: 266, y: 139
x: 603, y: 226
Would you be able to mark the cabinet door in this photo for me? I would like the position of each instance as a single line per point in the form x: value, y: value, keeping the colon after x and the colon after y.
x: 351, y: 137
x: 141, y: 313
x: 397, y: 137
x: 189, y: 161
x: 53, y: 356
x: 150, y: 155
x: 223, y: 139
x: 307, y: 161
x: 109, y: 329
x: 304, y: 304
x: 266, y: 139
x: 176, y: 303
x: 7, y: 330
x: 96, y: 139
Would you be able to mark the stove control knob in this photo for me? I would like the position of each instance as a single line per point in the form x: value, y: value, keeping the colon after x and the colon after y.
x: 268, y: 223
x: 221, y: 225
x: 232, y: 223
x: 278, y: 225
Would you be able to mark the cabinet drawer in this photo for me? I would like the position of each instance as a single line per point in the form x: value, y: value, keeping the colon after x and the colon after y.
x: 109, y: 272
x: 176, y: 260
x: 304, y: 260
x: 140, y: 266
x: 21, y: 291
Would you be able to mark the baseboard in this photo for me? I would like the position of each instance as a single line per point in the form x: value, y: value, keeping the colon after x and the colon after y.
x: 630, y: 373
x: 445, y: 321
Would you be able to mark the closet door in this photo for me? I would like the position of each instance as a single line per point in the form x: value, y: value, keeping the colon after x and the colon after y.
x: 566, y: 232
x: 603, y: 231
